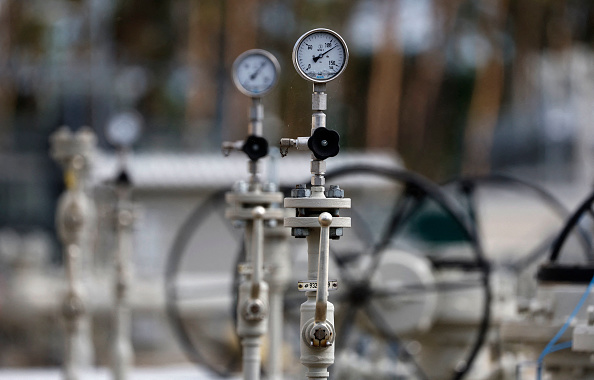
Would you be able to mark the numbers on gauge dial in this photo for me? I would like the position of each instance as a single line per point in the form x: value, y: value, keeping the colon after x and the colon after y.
x: 256, y: 73
x: 321, y: 56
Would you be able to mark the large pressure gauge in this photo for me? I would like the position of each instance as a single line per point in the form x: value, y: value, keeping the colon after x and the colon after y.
x: 320, y: 55
x: 255, y: 72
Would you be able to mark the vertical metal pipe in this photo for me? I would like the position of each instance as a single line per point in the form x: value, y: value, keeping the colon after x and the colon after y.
x: 313, y: 251
x: 71, y: 311
x: 256, y: 117
x: 275, y: 370
x: 251, y: 357
x: 276, y: 254
x: 123, y: 355
x: 251, y: 330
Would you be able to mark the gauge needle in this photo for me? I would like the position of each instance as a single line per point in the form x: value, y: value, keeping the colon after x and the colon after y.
x: 255, y: 74
x: 315, y: 59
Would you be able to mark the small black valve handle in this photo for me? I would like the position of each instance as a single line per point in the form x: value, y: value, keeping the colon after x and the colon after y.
x: 123, y: 179
x: 324, y: 143
x: 255, y: 147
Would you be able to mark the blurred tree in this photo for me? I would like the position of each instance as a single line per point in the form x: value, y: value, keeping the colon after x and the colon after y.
x: 213, y: 104
x: 143, y: 31
x: 385, y: 84
x: 485, y: 105
x: 241, y: 29
x: 422, y: 131
x: 8, y: 12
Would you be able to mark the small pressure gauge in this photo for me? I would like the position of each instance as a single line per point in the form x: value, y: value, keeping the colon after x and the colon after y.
x: 320, y: 55
x: 255, y: 72
x: 124, y: 129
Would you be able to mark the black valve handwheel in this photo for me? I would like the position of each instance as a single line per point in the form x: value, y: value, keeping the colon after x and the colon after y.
x: 324, y: 143
x: 358, y: 291
x: 255, y: 147
x: 468, y: 190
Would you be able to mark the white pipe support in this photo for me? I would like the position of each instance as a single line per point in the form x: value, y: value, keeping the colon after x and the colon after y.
x: 251, y: 357
x: 276, y: 334
x: 123, y: 354
x: 276, y: 256
x: 79, y: 351
x: 252, y: 324
x: 72, y: 309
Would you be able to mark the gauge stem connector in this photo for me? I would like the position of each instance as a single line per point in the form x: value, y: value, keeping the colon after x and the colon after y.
x: 256, y: 117
x: 255, y: 129
x: 319, y: 98
x: 254, y: 170
x: 319, y: 103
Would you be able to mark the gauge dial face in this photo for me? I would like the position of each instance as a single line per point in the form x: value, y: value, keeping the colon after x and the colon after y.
x: 320, y: 55
x: 255, y: 72
x: 124, y: 129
